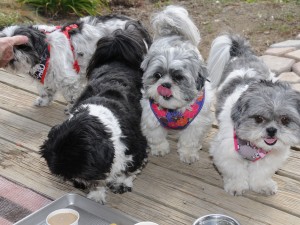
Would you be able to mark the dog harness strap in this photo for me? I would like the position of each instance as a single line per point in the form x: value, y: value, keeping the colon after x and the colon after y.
x: 46, y: 66
x: 42, y: 67
x: 176, y: 120
x: 247, y: 150
x: 66, y: 33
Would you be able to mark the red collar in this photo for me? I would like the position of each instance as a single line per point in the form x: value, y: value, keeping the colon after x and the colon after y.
x: 42, y: 69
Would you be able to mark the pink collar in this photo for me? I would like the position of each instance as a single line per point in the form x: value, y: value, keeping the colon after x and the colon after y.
x: 247, y: 150
x: 173, y: 119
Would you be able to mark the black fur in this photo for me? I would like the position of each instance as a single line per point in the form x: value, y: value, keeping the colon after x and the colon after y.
x: 36, y: 45
x: 81, y: 148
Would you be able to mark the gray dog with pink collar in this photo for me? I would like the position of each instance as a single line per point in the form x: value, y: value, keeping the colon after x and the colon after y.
x: 259, y: 118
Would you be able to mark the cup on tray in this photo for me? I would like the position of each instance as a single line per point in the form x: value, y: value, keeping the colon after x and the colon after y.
x: 63, y: 217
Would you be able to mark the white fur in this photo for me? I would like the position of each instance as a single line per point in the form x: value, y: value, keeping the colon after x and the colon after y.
x: 120, y: 161
x: 240, y: 175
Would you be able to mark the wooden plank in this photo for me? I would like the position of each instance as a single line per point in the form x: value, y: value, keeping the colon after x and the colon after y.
x: 287, y: 199
x: 23, y: 82
x: 196, y: 197
x: 22, y: 131
x: 21, y: 102
x: 291, y: 167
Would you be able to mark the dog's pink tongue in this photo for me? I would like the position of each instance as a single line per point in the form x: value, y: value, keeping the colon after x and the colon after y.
x: 163, y: 91
x: 270, y: 140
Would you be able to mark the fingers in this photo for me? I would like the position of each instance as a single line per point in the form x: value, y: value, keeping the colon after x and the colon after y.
x: 19, y: 40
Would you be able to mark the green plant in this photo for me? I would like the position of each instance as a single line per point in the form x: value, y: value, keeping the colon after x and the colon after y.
x: 8, y: 19
x: 58, y: 7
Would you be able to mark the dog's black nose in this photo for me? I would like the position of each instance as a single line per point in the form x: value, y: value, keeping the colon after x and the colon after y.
x: 271, y: 131
x: 166, y: 85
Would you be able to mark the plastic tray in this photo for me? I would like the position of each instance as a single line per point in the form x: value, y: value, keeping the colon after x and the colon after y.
x: 91, y: 213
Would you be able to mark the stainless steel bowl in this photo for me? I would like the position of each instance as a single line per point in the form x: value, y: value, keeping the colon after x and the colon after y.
x: 216, y: 219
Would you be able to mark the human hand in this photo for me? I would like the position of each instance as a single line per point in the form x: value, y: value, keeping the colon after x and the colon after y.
x: 6, y: 47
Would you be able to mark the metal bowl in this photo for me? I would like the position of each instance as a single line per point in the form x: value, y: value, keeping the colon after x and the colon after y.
x: 216, y: 219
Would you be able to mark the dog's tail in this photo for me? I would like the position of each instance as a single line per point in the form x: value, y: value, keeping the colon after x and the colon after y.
x: 175, y: 20
x: 223, y: 49
x: 129, y: 46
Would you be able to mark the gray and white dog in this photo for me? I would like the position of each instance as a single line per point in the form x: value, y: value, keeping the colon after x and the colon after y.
x: 259, y: 117
x: 176, y: 95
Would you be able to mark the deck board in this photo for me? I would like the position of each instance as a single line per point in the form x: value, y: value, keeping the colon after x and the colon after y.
x: 167, y: 191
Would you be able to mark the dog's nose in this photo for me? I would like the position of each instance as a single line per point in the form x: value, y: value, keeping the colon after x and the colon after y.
x: 271, y: 131
x: 166, y: 85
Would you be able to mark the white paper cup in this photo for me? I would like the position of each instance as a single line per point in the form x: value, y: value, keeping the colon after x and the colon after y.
x: 60, y: 215
x: 214, y: 219
x: 146, y: 223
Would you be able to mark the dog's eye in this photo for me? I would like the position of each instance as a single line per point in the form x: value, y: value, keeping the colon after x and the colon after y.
x: 177, y: 77
x: 157, y: 75
x: 285, y: 120
x: 258, y: 119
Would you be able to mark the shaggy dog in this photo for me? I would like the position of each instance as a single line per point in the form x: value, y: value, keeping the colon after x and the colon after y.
x: 259, y: 118
x: 102, y: 140
x: 177, y: 97
x: 58, y: 56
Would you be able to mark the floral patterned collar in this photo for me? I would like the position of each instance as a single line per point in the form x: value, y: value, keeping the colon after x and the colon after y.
x: 176, y: 120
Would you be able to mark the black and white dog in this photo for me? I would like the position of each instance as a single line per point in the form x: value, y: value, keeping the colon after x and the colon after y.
x: 58, y: 56
x: 102, y: 140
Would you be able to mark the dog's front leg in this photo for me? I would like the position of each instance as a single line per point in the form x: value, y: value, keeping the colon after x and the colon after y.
x: 98, y: 194
x: 155, y: 134
x: 46, y: 95
x: 70, y: 93
x: 260, y: 176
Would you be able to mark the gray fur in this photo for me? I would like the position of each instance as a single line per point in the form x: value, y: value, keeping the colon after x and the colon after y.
x: 272, y: 101
x: 174, y: 49
x: 238, y: 56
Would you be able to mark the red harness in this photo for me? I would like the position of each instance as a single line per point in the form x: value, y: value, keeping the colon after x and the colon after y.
x: 41, y: 72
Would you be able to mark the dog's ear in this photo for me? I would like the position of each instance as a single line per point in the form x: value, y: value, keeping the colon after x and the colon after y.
x: 147, y: 59
x: 202, y: 75
x: 239, y: 109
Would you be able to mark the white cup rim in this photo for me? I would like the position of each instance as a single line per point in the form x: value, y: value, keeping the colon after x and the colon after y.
x: 64, y: 210
x: 146, y: 223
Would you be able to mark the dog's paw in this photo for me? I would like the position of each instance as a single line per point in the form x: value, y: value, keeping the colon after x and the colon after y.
x: 160, y: 149
x: 188, y: 155
x: 236, y: 187
x: 189, y: 158
x: 119, y: 189
x: 67, y: 111
x: 267, y: 188
x: 98, y: 195
x: 41, y: 102
x: 121, y: 184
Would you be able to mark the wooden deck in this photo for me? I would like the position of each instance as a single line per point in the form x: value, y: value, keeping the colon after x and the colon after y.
x: 167, y: 191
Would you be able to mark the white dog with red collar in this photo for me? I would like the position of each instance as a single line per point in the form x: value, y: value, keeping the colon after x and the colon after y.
x: 57, y: 57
